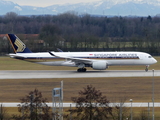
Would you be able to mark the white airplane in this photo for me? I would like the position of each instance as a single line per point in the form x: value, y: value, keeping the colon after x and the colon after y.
x: 95, y: 60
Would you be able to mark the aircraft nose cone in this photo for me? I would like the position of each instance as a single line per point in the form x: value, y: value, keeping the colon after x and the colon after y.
x: 155, y: 61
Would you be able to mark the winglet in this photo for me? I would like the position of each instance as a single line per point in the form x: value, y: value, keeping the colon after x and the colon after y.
x: 59, y: 50
x: 51, y: 53
x: 17, y: 45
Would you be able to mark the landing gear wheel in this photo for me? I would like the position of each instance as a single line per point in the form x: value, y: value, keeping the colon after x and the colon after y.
x: 84, y: 69
x: 146, y: 68
x: 81, y: 70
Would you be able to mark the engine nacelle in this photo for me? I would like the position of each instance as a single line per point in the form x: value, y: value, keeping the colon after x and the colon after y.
x: 99, y: 65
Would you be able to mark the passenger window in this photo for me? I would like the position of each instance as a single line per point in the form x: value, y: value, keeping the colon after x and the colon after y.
x: 149, y: 56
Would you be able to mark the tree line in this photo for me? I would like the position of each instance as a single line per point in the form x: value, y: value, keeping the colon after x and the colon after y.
x: 72, y: 32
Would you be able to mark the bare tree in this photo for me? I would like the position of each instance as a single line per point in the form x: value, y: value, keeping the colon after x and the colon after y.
x: 120, y: 111
x: 33, y: 107
x: 11, y: 17
x: 91, y: 105
x: 3, y: 113
x: 143, y: 115
x: 50, y: 33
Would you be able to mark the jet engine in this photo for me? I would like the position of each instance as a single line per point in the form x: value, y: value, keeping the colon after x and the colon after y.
x: 99, y: 65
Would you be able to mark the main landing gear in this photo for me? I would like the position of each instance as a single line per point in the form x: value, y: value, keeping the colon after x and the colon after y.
x: 81, y: 70
x: 147, y: 66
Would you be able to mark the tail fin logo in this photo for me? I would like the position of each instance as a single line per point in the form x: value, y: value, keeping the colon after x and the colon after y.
x: 20, y: 45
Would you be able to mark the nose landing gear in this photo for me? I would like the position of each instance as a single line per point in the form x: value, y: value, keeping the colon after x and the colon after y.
x: 147, y: 66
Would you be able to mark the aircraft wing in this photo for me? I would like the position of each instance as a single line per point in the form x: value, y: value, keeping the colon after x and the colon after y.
x: 76, y: 60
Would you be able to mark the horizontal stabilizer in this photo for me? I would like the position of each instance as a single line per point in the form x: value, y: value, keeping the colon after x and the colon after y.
x: 16, y: 56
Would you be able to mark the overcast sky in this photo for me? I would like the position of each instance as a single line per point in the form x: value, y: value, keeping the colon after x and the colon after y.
x: 44, y: 3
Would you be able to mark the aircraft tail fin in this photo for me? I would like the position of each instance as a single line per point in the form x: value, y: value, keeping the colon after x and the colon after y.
x: 17, y: 44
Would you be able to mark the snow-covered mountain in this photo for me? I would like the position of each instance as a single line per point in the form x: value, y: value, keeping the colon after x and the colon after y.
x: 103, y: 7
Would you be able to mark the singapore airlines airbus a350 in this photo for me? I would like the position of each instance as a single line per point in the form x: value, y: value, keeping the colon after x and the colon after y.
x: 95, y: 60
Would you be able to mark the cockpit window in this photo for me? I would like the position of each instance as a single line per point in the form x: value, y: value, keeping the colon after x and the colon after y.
x: 149, y: 56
